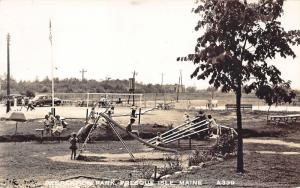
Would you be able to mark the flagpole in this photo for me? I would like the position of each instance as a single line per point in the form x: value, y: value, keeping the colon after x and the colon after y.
x: 52, y: 67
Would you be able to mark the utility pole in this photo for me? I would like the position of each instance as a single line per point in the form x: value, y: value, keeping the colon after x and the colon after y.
x: 133, y: 86
x: 8, y: 74
x: 82, y: 73
x: 52, y: 68
x: 162, y: 86
x: 179, y: 86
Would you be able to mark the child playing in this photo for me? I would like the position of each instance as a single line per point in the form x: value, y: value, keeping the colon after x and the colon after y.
x: 129, y: 126
x: 73, y: 147
x: 47, y: 126
x: 213, y: 126
x: 58, y: 127
x: 158, y: 140
x: 93, y: 114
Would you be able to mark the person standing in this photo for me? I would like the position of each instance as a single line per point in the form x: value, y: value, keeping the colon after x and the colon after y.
x: 30, y: 105
x: 133, y: 111
x: 73, y: 141
x: 22, y: 103
x: 15, y: 102
x: 92, y: 116
x: 47, y: 126
x: 213, y: 126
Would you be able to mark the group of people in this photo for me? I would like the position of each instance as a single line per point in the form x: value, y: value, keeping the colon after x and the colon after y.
x: 54, y: 124
x: 212, y: 126
x: 28, y: 106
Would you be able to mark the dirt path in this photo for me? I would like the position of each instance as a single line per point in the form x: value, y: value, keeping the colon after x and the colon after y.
x: 154, y: 158
x: 272, y: 141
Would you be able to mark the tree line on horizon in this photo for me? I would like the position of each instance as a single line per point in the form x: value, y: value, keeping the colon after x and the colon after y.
x: 74, y: 85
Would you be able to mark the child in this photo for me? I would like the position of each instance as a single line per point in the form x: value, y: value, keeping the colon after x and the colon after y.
x: 129, y: 126
x: 133, y: 110
x: 110, y: 111
x: 158, y: 141
x: 58, y: 127
x: 47, y: 124
x: 30, y: 105
x: 73, y: 147
x: 213, y: 126
x: 187, y: 118
x: 23, y: 103
x: 93, y: 114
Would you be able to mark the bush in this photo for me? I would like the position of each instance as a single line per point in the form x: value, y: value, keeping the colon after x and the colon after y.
x: 172, y: 165
x: 198, y: 157
x: 226, y: 145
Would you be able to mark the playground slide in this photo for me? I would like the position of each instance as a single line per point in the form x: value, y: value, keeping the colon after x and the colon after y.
x: 135, y: 136
x: 84, y: 131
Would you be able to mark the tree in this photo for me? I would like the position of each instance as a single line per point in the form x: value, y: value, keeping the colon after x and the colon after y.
x: 191, y: 89
x: 29, y: 93
x: 212, y: 90
x: 237, y: 41
x: 275, y: 94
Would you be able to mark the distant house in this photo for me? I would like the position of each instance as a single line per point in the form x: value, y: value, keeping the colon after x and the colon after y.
x: 173, y: 88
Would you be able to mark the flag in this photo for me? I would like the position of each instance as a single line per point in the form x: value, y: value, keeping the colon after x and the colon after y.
x: 50, y: 32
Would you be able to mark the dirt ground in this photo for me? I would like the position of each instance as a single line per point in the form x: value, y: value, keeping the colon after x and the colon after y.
x: 271, y: 154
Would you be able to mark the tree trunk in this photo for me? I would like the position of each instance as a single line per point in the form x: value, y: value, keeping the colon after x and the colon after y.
x: 240, y: 160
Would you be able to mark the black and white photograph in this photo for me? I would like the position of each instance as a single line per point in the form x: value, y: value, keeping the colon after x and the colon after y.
x: 149, y: 93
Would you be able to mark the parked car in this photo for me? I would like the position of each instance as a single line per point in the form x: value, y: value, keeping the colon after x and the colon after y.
x: 12, y: 98
x: 45, y: 100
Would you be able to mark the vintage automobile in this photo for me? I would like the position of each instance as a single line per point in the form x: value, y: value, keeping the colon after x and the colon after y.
x: 15, y: 97
x: 45, y: 100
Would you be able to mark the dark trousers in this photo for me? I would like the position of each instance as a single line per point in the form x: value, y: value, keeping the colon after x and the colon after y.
x: 30, y: 106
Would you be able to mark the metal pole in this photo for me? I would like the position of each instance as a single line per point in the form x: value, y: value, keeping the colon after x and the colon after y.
x: 141, y: 101
x: 87, y: 101
x: 87, y: 108
x: 52, y: 64
x: 140, y: 111
x: 8, y: 75
x: 133, y: 87
x: 16, y: 128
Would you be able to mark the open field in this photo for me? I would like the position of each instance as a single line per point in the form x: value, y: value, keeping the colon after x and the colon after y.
x: 271, y: 152
x: 182, y: 105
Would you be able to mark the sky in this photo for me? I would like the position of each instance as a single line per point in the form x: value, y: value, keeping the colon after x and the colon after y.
x: 112, y: 38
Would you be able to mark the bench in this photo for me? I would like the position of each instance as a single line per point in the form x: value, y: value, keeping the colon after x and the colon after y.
x: 165, y: 106
x: 285, y: 119
x: 243, y: 106
x: 42, y: 134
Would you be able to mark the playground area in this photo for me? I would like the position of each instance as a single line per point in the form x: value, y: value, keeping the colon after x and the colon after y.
x: 106, y: 158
